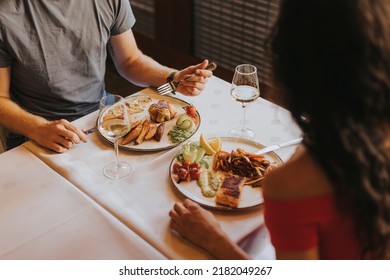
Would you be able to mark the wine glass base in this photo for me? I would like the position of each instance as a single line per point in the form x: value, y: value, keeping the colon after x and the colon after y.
x: 117, y: 171
x: 245, y: 133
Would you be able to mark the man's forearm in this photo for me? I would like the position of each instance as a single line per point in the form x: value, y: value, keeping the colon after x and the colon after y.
x: 144, y: 71
x: 17, y: 120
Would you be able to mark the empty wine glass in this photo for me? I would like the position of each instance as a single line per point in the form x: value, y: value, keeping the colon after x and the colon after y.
x: 114, y: 123
x: 245, y: 89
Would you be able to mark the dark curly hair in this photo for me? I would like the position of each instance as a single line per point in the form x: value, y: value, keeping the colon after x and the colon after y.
x: 331, y: 62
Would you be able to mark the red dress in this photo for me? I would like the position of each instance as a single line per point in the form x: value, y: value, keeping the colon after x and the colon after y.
x: 302, y: 224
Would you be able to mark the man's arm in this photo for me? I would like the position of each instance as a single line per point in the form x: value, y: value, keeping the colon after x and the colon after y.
x: 142, y: 70
x: 55, y: 135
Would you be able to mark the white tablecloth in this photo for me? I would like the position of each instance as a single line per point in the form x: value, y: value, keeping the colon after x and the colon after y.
x: 143, y: 200
x: 44, y: 216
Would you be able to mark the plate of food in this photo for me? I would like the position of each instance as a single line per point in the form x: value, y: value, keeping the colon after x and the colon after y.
x: 157, y: 123
x: 222, y: 173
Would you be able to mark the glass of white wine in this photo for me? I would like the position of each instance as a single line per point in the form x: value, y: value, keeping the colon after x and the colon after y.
x: 113, y: 123
x: 245, y: 89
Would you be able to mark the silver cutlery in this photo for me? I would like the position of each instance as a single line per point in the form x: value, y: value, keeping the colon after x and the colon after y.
x: 91, y: 130
x: 278, y: 146
x: 170, y: 87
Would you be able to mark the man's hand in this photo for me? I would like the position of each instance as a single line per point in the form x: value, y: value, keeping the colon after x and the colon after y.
x: 58, y: 136
x: 194, y: 79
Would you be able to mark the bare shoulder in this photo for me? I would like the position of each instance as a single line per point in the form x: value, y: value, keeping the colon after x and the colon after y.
x: 299, y: 177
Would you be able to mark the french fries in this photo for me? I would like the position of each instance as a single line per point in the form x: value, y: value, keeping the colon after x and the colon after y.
x: 241, y: 163
x: 143, y: 130
x: 152, y: 131
x: 142, y: 134
x: 133, y: 134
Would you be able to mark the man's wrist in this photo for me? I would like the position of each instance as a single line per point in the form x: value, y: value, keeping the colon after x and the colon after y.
x: 171, y: 76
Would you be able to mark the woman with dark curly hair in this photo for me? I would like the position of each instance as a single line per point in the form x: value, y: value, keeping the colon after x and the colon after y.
x: 331, y: 200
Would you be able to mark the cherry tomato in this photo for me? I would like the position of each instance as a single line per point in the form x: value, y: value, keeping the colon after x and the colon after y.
x: 186, y: 163
x: 176, y: 167
x: 194, y: 173
x: 182, y: 174
x: 191, y: 110
x: 195, y: 165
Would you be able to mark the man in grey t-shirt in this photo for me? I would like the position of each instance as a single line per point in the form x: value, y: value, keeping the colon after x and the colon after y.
x: 52, y: 65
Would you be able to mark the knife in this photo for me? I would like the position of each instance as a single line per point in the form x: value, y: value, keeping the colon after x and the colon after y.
x: 278, y: 146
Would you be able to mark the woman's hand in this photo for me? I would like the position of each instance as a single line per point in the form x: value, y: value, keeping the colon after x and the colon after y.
x: 195, y: 223
x: 201, y: 228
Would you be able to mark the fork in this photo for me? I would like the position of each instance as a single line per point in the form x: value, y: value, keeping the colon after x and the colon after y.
x: 91, y: 130
x: 170, y: 87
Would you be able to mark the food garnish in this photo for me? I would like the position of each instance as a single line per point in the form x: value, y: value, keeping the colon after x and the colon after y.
x: 191, y: 158
x: 183, y: 129
x: 209, y: 183
x: 177, y: 135
x: 210, y: 146
x: 185, y: 122
x: 192, y: 112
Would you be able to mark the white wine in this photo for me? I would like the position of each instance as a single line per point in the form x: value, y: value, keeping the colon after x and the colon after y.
x: 114, y: 128
x: 245, y: 94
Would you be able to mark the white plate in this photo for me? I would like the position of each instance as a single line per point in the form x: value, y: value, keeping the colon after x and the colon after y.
x: 165, y: 143
x: 250, y: 197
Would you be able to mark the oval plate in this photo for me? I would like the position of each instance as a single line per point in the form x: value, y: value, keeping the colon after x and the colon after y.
x: 152, y: 145
x: 250, y: 197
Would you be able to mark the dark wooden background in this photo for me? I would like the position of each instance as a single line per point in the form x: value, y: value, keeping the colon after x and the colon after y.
x: 172, y: 45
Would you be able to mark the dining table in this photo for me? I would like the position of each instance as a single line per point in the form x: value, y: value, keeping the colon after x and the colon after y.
x: 61, y: 206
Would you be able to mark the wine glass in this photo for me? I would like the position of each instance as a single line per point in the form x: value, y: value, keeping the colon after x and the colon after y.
x: 245, y: 89
x: 114, y: 123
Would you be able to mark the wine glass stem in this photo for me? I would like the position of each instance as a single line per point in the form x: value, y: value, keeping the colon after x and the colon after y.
x: 244, y: 117
x: 116, y: 151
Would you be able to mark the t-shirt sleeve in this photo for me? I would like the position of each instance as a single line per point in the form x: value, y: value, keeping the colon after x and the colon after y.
x: 291, y: 228
x: 124, y: 17
x: 5, y: 57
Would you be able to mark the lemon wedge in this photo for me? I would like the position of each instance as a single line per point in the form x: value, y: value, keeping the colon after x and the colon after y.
x: 216, y: 144
x: 204, y: 143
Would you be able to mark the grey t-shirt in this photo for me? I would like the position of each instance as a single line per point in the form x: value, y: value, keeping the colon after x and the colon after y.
x: 57, y: 52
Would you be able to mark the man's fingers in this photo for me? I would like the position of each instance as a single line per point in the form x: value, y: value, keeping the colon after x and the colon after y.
x: 70, y: 132
x: 203, y: 64
x: 67, y: 143
x: 204, y: 73
x: 195, y: 78
x: 80, y: 135
x: 191, y: 69
x: 56, y: 147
